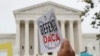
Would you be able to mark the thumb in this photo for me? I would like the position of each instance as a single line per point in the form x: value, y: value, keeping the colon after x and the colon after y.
x: 66, y: 45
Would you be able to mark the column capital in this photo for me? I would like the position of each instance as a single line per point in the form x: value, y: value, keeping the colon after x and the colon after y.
x: 79, y: 22
x: 26, y: 21
x: 17, y: 21
x: 63, y: 21
x: 71, y: 21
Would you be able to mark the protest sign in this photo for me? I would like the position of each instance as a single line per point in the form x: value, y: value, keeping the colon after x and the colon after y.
x: 50, y: 36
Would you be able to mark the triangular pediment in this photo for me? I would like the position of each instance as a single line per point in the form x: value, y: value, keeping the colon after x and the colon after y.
x: 46, y: 6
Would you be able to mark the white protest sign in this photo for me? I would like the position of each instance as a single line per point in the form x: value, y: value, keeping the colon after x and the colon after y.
x: 50, y: 36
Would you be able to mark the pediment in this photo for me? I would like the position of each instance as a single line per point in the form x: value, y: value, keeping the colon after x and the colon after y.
x: 46, y: 6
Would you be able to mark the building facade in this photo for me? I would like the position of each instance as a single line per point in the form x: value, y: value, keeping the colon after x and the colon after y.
x: 27, y: 31
x: 26, y: 41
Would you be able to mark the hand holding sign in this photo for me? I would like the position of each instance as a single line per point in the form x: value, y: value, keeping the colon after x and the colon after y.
x: 49, y: 33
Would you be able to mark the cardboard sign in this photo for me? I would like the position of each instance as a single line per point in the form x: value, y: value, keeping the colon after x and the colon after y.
x: 50, y: 36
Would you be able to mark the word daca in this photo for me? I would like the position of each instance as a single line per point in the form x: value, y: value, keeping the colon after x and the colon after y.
x: 48, y: 27
x: 51, y: 38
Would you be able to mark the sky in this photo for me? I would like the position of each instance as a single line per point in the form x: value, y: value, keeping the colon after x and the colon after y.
x: 7, y: 20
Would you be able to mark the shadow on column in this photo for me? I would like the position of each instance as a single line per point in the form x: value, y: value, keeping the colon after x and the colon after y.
x: 31, y: 38
x: 67, y: 30
x: 22, y: 38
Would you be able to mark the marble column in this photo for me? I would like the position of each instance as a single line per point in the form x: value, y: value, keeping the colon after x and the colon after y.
x: 26, y: 38
x: 63, y: 29
x: 18, y: 37
x: 35, y: 39
x: 71, y: 33
x: 79, y: 36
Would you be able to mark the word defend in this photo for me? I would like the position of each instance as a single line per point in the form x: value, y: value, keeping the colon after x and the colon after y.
x: 50, y: 36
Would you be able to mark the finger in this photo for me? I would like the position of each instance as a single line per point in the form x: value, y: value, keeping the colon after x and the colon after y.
x: 66, y: 45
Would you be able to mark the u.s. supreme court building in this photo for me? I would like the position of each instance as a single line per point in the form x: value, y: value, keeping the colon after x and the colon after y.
x: 25, y: 41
